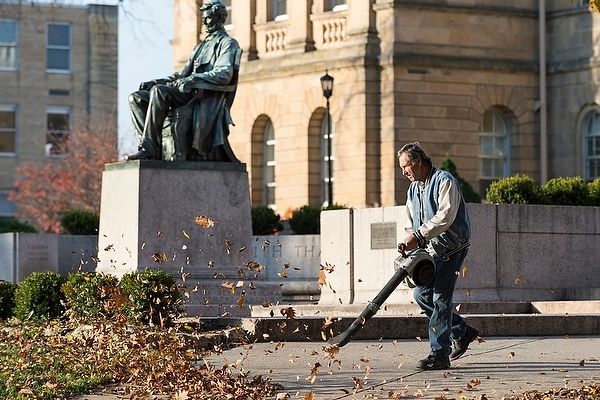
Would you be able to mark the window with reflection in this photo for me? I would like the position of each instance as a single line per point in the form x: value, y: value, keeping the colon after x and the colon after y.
x: 591, y: 146
x: 493, y: 145
x: 269, y: 165
x: 8, y: 129
x: 8, y: 44
x: 325, y: 173
x: 335, y: 5
x: 58, y: 122
x: 278, y: 10
x: 58, y: 47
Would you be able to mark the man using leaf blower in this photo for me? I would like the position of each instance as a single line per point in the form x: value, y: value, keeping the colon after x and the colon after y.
x: 437, y: 215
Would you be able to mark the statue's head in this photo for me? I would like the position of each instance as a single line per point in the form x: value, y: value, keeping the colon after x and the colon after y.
x: 214, y: 15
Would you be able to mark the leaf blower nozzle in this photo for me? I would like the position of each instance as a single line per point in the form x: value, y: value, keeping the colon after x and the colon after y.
x: 416, y: 268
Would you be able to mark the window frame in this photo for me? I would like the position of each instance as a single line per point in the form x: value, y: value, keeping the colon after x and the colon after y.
x: 274, y: 12
x: 4, y: 202
x: 229, y: 21
x: 336, y: 5
x: 268, y: 165
x: 57, y: 110
x: 68, y: 47
x: 586, y: 134
x: 505, y: 135
x: 15, y: 109
x: 324, y: 158
x: 14, y: 45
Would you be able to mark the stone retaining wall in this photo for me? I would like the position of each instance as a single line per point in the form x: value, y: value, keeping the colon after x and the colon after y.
x: 518, y: 253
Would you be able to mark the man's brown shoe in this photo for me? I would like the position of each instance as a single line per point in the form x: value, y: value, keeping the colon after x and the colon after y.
x: 433, y: 362
x: 461, y: 345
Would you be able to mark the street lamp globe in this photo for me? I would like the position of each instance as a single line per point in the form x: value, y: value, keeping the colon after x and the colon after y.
x: 327, y: 85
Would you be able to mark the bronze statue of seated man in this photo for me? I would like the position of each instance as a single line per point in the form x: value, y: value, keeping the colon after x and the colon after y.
x: 207, y: 83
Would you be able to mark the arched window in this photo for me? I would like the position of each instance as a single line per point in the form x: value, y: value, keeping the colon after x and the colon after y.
x: 591, y: 146
x: 269, y: 165
x: 494, y: 146
x: 326, y: 174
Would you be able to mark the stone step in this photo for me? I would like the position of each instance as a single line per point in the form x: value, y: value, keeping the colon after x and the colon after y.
x: 350, y: 310
x: 396, y: 327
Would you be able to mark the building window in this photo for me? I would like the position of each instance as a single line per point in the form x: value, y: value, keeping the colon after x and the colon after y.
x: 228, y: 21
x: 8, y: 129
x: 591, y: 146
x: 8, y: 45
x: 58, y: 48
x: 269, y: 165
x: 278, y: 11
x: 325, y: 160
x: 335, y: 5
x: 7, y: 208
x: 493, y: 146
x: 57, y: 133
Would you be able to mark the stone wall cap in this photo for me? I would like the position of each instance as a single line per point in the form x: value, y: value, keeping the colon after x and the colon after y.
x: 185, y: 165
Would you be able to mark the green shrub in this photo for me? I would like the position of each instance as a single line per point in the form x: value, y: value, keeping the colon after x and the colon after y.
x: 80, y: 222
x: 306, y: 220
x: 91, y: 296
x: 470, y: 195
x: 39, y: 297
x: 7, y: 299
x: 153, y: 297
x: 13, y: 225
x: 566, y: 192
x: 519, y: 189
x: 265, y: 221
x: 594, y: 192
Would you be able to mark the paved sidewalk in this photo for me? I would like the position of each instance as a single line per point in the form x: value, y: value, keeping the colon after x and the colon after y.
x: 497, y: 367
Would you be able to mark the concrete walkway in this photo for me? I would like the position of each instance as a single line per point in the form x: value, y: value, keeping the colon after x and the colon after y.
x: 517, y: 353
x: 366, y: 369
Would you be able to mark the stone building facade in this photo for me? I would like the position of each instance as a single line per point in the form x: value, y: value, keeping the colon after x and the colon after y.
x: 58, y: 68
x: 470, y: 79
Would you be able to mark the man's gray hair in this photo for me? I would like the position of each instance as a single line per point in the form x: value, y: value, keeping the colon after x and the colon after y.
x: 413, y: 152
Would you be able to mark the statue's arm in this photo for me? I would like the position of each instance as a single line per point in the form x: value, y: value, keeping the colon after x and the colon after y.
x: 223, y: 68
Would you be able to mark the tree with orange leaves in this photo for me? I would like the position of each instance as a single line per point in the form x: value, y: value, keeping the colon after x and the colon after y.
x: 44, y: 192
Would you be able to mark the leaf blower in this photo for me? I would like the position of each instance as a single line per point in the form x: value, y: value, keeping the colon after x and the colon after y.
x: 415, y: 268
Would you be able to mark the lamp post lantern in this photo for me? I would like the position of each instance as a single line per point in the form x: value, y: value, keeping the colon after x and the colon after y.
x: 327, y: 86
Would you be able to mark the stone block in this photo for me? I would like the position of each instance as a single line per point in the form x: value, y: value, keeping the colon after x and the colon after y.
x: 25, y: 253
x: 7, y: 261
x: 292, y: 262
x: 336, y: 254
x: 480, y: 271
x: 189, y: 219
x: 77, y: 253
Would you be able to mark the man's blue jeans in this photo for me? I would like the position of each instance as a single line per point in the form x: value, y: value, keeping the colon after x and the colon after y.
x: 436, y: 300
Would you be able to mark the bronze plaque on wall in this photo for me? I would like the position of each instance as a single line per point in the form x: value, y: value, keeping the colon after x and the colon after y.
x: 383, y: 236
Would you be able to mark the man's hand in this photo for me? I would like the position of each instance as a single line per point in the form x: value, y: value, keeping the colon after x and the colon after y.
x: 409, y: 243
x: 184, y: 84
x: 147, y: 85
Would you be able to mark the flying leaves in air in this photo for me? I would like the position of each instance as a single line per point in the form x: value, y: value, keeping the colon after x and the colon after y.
x: 204, y: 221
x: 288, y: 313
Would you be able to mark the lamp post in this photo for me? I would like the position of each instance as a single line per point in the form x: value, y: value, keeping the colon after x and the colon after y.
x: 327, y: 86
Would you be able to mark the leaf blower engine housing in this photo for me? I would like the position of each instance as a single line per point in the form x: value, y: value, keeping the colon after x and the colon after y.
x: 419, y: 265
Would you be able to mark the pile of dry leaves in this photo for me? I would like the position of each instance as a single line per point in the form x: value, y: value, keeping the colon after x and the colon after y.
x: 142, y: 362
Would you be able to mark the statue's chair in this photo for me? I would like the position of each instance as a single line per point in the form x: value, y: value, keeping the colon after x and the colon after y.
x: 177, y: 134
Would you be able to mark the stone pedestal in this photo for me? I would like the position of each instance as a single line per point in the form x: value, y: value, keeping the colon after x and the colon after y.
x: 190, y: 219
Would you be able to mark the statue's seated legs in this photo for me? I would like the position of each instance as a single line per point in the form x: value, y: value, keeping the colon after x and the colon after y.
x: 177, y: 138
